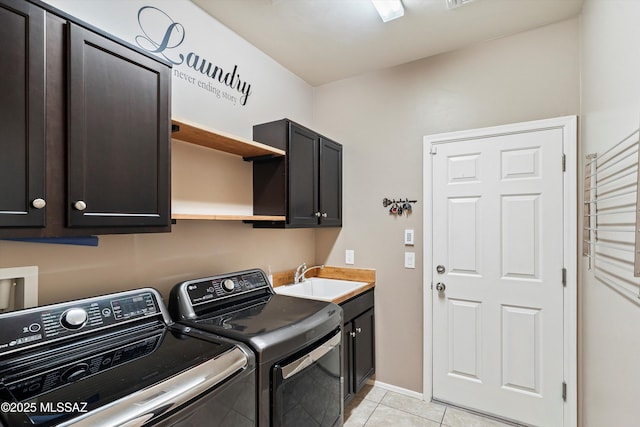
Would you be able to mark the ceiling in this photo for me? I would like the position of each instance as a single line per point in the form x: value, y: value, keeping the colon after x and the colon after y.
x: 327, y: 40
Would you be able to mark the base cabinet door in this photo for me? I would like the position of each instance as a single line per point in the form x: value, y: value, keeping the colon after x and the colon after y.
x: 347, y: 361
x: 359, y: 342
x: 22, y: 115
x: 363, y: 349
x: 119, y: 134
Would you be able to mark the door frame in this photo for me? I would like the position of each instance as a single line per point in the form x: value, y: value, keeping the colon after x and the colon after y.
x: 568, y: 125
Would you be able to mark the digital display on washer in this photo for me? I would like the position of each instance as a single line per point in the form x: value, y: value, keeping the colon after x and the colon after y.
x: 224, y: 286
x: 135, y: 306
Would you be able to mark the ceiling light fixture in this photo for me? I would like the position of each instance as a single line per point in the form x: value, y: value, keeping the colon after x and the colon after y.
x: 389, y: 9
x: 452, y: 4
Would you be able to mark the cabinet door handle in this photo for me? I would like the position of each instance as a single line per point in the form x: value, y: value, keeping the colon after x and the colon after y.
x: 324, y: 215
x: 358, y: 330
x: 39, y: 203
x: 318, y: 214
x: 80, y: 205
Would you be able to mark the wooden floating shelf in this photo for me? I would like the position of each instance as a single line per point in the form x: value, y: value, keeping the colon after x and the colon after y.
x: 215, y: 217
x: 218, y: 140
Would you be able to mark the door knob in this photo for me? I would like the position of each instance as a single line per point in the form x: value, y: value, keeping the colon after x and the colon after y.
x: 440, y: 287
x: 80, y: 205
x: 440, y: 269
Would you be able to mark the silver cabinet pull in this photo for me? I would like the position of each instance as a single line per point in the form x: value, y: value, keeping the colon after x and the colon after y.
x: 39, y: 203
x: 324, y: 215
x: 353, y: 334
x: 358, y: 330
x: 318, y: 214
x: 80, y: 205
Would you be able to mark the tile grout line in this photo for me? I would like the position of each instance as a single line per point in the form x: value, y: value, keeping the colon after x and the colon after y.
x: 406, y: 412
x: 374, y: 409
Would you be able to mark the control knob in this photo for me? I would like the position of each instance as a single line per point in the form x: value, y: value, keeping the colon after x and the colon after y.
x: 74, y: 318
x: 228, y: 285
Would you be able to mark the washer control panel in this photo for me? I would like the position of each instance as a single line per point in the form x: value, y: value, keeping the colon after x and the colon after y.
x: 27, y: 385
x: 216, y: 288
x: 30, y: 327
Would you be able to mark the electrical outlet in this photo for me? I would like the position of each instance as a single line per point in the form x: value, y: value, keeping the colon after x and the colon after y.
x: 409, y: 260
x: 349, y: 256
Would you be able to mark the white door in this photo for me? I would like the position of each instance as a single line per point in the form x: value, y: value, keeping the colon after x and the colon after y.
x: 498, y: 237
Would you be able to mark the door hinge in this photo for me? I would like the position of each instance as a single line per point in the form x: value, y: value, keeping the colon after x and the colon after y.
x: 564, y: 391
x: 564, y: 277
x: 433, y: 150
x: 564, y: 162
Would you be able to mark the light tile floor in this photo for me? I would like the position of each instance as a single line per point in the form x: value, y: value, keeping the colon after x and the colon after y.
x: 376, y: 407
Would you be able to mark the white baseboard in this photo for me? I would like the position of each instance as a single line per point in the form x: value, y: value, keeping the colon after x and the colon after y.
x: 396, y: 389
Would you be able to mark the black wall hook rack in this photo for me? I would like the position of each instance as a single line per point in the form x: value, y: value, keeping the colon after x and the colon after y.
x: 398, y: 206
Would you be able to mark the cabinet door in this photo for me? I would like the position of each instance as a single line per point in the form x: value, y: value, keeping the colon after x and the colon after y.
x: 363, y: 349
x: 347, y: 361
x: 22, y: 114
x: 330, y: 187
x: 302, y: 155
x: 119, y: 135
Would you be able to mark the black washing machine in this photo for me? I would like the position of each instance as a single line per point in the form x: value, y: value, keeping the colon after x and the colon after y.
x: 116, y: 360
x: 296, y: 341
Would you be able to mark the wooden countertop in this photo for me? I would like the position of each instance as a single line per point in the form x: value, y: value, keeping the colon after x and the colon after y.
x: 367, y: 275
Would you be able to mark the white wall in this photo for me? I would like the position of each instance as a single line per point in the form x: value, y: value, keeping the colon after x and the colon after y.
x: 381, y: 118
x: 610, y: 110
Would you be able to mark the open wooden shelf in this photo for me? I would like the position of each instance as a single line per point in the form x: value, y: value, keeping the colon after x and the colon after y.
x: 215, y: 217
x: 218, y: 140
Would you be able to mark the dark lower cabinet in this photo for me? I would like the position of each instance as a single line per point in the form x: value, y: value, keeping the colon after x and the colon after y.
x: 358, y: 343
x: 22, y: 115
x: 305, y: 185
x: 86, y: 129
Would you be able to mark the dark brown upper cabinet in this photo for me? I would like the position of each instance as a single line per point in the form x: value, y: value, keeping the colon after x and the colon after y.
x: 305, y: 185
x: 86, y: 121
x: 22, y: 115
x: 119, y: 135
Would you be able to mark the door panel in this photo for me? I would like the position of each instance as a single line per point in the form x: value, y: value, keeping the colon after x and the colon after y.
x: 521, y: 236
x: 302, y: 155
x: 465, y: 339
x: 497, y: 228
x: 22, y: 114
x: 463, y: 235
x: 521, y: 348
x: 330, y: 186
x: 118, y: 135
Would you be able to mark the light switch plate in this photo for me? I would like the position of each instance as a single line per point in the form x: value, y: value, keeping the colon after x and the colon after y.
x: 349, y: 256
x: 409, y: 260
x: 408, y: 237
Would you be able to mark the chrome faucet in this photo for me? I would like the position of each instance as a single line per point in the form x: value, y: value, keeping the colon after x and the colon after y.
x: 301, y: 270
